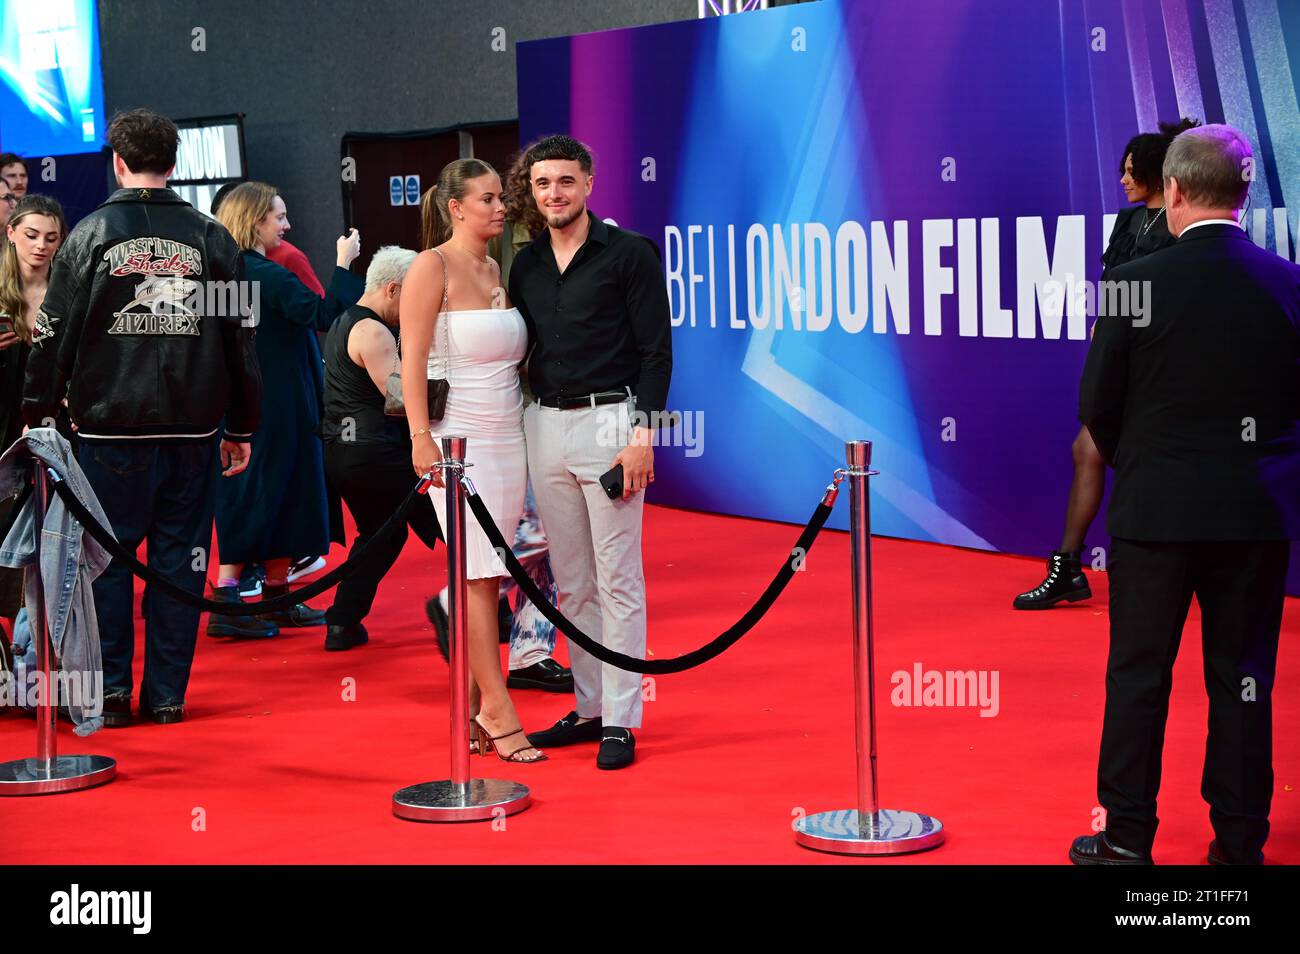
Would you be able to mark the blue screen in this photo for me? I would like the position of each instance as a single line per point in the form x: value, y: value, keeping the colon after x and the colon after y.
x: 51, y: 90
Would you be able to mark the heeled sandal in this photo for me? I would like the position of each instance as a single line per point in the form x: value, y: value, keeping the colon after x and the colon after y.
x: 487, y: 745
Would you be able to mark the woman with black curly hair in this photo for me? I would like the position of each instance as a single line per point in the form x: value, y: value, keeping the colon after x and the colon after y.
x: 1139, y: 230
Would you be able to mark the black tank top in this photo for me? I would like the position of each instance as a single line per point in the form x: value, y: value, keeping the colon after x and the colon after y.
x: 354, y: 408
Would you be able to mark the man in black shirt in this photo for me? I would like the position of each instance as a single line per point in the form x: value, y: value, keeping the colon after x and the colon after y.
x: 594, y: 300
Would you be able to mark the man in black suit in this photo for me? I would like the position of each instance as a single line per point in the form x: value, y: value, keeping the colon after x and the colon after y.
x: 1196, y: 405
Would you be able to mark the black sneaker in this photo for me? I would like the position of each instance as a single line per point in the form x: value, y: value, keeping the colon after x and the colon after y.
x: 547, y: 675
x: 300, y: 615
x: 237, y: 627
x: 617, y: 748
x: 305, y: 567
x: 338, y: 638
x: 1065, y: 582
x: 251, y: 580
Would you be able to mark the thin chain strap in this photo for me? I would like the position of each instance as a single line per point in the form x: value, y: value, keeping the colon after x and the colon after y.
x: 446, y: 355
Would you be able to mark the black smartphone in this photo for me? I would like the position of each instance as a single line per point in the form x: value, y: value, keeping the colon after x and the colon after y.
x: 612, y: 481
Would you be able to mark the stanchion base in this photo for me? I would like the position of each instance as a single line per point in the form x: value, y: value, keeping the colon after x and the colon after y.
x: 479, y: 799
x: 895, y: 833
x: 68, y: 773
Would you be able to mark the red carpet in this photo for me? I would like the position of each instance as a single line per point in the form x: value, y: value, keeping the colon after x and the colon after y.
x: 279, y: 768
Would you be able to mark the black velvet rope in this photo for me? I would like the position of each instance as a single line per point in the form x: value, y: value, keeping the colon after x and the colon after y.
x: 286, y: 601
x: 710, y: 650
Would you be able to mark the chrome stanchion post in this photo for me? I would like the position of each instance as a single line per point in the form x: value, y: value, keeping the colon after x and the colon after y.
x: 867, y: 829
x: 459, y: 798
x: 49, y: 773
x: 453, y: 454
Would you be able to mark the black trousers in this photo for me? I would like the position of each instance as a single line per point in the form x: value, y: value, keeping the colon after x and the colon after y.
x: 373, y: 479
x: 1240, y: 587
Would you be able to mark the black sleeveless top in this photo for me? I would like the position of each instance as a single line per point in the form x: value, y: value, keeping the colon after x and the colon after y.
x: 354, y: 408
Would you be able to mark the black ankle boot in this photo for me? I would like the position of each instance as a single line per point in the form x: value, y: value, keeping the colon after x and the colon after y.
x: 237, y: 627
x: 298, y: 615
x: 117, y: 710
x: 1065, y: 581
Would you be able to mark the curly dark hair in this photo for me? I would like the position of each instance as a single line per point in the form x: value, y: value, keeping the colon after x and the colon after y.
x: 1148, y: 152
x: 518, y: 188
x: 145, y: 140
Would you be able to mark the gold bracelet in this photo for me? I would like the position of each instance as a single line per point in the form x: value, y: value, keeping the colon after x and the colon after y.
x: 423, y: 430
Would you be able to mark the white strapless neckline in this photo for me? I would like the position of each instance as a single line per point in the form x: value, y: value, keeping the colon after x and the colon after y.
x: 476, y: 311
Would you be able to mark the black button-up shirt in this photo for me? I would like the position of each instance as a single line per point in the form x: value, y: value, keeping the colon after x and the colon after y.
x: 603, y: 324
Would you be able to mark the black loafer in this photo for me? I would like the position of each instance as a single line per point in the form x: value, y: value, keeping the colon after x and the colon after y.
x: 617, y: 748
x: 338, y: 638
x: 547, y: 675
x: 566, y: 732
x: 1215, y: 857
x: 1099, y: 850
x: 117, y: 711
x: 299, y: 616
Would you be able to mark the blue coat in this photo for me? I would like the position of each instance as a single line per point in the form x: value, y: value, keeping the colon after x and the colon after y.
x: 278, y: 507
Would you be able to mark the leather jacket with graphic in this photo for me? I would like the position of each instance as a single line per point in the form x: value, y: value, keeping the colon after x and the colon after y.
x: 146, y: 328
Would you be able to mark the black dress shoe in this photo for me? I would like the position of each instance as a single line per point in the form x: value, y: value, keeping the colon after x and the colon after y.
x: 338, y: 638
x: 165, y: 715
x: 1099, y: 850
x: 547, y: 675
x: 1065, y: 581
x: 298, y: 616
x: 438, y: 617
x: 1216, y: 857
x: 237, y: 627
x: 117, y: 711
x: 617, y: 748
x: 566, y: 732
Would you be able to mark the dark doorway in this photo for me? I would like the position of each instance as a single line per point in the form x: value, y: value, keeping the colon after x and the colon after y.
x: 368, y: 201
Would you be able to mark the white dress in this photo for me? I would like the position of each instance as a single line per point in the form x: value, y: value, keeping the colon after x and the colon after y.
x: 485, y: 405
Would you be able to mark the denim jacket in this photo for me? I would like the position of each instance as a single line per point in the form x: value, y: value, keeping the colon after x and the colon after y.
x: 70, y: 561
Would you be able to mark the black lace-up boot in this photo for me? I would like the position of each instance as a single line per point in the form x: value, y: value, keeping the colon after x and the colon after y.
x: 1065, y: 582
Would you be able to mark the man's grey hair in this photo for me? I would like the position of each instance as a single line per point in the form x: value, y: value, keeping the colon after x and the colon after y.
x: 1213, y: 164
x: 389, y: 265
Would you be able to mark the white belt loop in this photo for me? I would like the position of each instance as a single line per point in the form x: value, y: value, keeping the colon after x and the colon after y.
x: 592, y: 398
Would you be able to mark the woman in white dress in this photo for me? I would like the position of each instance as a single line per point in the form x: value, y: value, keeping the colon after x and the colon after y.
x: 457, y: 322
